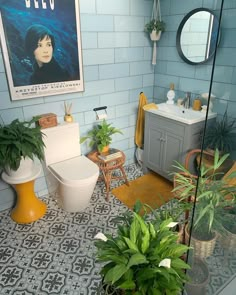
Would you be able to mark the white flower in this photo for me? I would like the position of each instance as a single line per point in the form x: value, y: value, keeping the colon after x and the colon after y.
x: 100, y: 236
x: 165, y: 262
x: 172, y: 224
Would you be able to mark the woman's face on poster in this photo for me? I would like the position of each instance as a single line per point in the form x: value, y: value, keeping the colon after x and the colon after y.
x: 43, y: 53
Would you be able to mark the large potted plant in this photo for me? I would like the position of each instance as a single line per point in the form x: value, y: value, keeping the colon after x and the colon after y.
x: 222, y: 136
x: 101, y: 136
x: 142, y: 258
x: 20, y: 142
x: 210, y: 194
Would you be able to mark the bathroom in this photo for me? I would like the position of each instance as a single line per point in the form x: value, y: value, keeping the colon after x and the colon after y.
x: 117, y: 66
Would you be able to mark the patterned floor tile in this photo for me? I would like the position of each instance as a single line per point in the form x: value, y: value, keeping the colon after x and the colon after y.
x: 56, y: 254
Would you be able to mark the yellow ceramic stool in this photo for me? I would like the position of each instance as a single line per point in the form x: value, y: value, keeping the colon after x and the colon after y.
x: 28, y: 207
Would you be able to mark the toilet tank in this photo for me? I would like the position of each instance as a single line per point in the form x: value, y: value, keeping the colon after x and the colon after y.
x: 61, y: 143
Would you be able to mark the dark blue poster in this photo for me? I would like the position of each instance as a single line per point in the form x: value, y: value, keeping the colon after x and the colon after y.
x: 41, y: 46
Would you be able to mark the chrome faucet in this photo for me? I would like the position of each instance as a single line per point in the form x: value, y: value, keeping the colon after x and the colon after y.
x: 186, y: 101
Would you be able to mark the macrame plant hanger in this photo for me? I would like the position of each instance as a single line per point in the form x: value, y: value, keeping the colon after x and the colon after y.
x: 156, y: 15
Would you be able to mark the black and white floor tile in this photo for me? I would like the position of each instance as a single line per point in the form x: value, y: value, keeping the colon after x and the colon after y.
x: 56, y: 254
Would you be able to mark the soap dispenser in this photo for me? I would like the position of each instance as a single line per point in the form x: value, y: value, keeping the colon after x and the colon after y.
x: 171, y: 94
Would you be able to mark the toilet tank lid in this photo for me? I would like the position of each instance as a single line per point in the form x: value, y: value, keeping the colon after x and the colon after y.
x: 74, y: 169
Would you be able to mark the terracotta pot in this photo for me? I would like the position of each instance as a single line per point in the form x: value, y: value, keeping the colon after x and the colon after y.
x: 105, y: 150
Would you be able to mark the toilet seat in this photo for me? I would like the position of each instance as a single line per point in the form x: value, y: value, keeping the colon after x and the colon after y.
x: 75, y: 170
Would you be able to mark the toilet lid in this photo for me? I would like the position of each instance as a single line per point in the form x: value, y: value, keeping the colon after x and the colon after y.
x: 74, y: 169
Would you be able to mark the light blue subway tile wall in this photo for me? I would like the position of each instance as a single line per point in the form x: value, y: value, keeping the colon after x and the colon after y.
x: 129, y: 54
x: 195, y: 78
x: 88, y: 6
x: 90, y: 73
x: 140, y: 7
x: 128, y: 83
x: 89, y: 40
x: 129, y: 23
x: 139, y: 39
x: 98, y: 56
x: 114, y: 70
x: 115, y: 98
x: 96, y: 23
x: 114, y: 7
x: 113, y: 45
x: 112, y: 40
x: 141, y: 67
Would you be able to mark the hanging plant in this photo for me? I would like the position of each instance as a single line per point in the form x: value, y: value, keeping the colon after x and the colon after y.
x: 155, y: 27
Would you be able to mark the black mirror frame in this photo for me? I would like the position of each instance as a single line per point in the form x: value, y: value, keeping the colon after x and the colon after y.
x: 178, y: 35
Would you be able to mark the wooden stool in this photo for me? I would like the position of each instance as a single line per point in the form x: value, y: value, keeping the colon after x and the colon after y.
x: 28, y: 207
x: 108, y: 167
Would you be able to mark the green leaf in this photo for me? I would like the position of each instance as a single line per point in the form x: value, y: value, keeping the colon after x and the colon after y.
x: 115, y: 273
x: 179, y: 263
x: 127, y: 285
x: 145, y: 231
x: 137, y: 259
x: 131, y: 245
x: 134, y: 230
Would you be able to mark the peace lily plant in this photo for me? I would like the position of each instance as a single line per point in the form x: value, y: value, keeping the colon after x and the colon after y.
x: 143, y: 258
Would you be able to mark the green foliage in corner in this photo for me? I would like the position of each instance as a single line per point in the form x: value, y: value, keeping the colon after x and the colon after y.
x: 20, y: 139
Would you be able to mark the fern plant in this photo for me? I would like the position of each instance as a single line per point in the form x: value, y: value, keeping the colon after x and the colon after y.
x: 100, y: 135
x: 20, y: 139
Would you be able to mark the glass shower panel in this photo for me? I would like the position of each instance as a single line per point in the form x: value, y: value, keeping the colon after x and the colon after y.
x: 213, y: 259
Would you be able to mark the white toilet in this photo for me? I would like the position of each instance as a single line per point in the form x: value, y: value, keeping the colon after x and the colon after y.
x: 70, y: 175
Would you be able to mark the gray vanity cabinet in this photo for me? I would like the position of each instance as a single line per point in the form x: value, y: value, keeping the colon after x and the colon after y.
x: 167, y: 140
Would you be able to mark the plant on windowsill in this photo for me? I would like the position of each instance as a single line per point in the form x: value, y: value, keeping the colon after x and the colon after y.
x: 20, y: 142
x: 212, y: 194
x: 143, y: 258
x: 101, y: 136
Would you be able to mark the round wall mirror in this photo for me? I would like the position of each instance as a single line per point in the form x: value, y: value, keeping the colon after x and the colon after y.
x: 197, y: 36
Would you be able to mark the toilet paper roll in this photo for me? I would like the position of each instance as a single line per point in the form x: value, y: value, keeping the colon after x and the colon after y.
x: 101, y: 116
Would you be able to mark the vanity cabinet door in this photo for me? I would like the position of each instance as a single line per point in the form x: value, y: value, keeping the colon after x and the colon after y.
x: 173, y: 147
x: 154, y: 148
x: 163, y: 144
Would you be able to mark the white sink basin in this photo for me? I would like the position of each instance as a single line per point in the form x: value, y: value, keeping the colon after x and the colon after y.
x: 179, y: 113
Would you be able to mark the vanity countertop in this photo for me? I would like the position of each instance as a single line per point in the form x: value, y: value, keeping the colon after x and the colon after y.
x: 180, y: 114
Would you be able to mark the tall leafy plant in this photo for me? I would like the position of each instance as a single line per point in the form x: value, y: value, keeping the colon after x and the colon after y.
x: 20, y: 139
x: 212, y: 194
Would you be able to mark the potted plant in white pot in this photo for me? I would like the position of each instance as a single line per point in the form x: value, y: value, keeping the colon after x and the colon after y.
x: 142, y: 258
x: 101, y: 136
x: 20, y: 142
x: 155, y: 27
x: 210, y: 194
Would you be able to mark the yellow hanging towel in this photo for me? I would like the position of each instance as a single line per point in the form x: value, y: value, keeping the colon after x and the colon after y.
x: 140, y: 120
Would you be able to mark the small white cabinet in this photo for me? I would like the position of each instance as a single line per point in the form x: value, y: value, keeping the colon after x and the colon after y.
x: 167, y: 140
